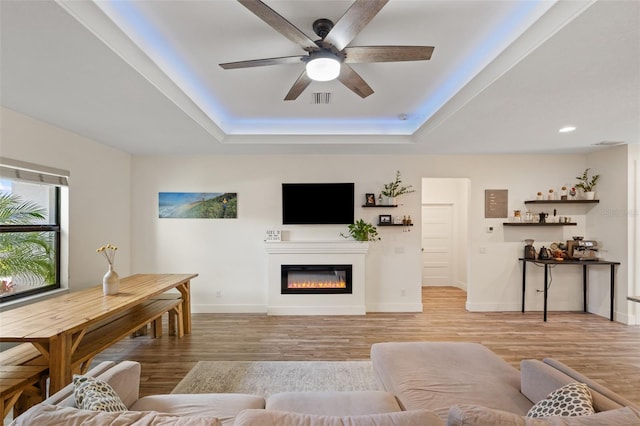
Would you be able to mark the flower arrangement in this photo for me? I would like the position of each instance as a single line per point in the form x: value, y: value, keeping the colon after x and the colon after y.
x: 395, y: 188
x: 109, y: 252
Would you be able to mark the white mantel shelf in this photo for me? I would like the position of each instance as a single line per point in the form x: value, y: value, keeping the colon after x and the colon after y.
x: 358, y: 247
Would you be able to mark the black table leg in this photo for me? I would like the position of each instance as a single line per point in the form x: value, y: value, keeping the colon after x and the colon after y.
x: 612, y: 291
x: 584, y: 288
x: 546, y: 275
x: 524, y: 282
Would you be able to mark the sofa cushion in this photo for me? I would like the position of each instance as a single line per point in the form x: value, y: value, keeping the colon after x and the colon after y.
x: 224, y: 406
x: 468, y: 415
x: 573, y: 399
x: 437, y: 375
x: 334, y: 403
x: 94, y: 394
x: 64, y: 397
x: 124, y: 378
x: 285, y: 418
x: 42, y: 414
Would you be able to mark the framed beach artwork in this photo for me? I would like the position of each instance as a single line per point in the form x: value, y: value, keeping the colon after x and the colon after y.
x: 197, y: 205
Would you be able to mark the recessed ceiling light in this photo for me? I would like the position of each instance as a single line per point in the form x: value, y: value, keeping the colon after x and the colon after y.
x: 567, y: 129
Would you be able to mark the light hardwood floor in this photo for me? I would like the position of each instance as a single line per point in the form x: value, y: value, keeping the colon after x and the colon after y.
x: 606, y: 351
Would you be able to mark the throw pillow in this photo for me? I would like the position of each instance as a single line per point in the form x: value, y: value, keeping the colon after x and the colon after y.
x: 96, y: 395
x: 573, y: 399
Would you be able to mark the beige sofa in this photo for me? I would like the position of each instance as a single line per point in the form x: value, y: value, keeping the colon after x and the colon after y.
x: 426, y: 383
x: 467, y: 384
x: 289, y: 408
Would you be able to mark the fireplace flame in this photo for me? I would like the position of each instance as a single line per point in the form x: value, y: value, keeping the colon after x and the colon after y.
x: 317, y: 284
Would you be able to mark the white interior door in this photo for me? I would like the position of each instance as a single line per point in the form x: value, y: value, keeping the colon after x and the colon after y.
x: 437, y: 245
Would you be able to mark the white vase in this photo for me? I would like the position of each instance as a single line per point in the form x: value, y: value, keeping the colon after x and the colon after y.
x: 589, y: 195
x: 110, y: 282
x: 391, y: 201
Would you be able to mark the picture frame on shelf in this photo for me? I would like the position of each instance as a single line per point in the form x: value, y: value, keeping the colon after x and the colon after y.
x: 370, y: 199
x: 384, y: 219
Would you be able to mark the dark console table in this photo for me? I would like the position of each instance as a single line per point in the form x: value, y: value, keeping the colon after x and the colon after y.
x: 585, y: 265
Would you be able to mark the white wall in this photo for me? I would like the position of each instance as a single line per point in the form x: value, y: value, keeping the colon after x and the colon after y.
x: 99, y: 191
x: 229, y: 254
x: 634, y: 230
x: 609, y: 225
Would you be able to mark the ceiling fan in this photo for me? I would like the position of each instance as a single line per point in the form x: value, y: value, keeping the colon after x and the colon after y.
x: 330, y: 56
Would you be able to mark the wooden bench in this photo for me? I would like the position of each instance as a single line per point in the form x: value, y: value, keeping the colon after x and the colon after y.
x: 102, y: 335
x: 175, y: 321
x: 23, y: 378
x: 176, y: 324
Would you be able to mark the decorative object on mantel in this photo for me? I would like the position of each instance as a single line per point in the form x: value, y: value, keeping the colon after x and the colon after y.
x: 362, y: 231
x: 395, y: 189
x: 587, y: 184
x: 111, y: 280
x: 273, y: 235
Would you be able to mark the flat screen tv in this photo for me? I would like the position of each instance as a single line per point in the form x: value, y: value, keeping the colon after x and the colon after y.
x: 317, y: 203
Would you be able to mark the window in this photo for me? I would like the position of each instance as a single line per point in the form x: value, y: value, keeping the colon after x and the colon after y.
x: 30, y: 229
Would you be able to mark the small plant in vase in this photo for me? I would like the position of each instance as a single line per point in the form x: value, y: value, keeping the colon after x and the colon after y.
x: 362, y: 231
x: 395, y: 189
x: 111, y: 280
x: 587, y: 184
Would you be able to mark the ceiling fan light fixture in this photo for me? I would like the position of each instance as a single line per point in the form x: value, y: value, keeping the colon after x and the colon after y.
x: 323, y: 66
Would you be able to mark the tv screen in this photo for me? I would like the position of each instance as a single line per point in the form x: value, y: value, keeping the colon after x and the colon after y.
x: 317, y: 203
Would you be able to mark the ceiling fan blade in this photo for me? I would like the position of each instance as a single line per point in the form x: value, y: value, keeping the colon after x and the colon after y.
x: 279, y: 23
x: 298, y: 87
x: 363, y: 54
x: 354, y: 82
x: 264, y: 62
x: 352, y: 22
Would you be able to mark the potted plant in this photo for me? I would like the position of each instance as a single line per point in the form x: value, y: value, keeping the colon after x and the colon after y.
x: 362, y: 231
x: 395, y: 189
x: 587, y: 184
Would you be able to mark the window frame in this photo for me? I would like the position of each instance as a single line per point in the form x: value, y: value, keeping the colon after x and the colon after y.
x: 57, y: 179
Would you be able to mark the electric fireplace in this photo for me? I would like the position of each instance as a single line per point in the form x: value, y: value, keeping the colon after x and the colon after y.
x: 316, y: 279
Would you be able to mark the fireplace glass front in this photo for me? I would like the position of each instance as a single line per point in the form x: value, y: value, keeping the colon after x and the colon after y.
x: 316, y: 279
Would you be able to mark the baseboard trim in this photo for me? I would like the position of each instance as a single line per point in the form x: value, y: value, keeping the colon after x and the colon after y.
x: 228, y: 309
x: 316, y: 310
x: 395, y: 307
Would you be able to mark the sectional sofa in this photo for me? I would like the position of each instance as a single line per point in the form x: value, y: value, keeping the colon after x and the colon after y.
x: 425, y: 383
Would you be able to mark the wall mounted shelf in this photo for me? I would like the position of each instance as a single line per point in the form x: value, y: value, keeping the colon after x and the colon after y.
x: 379, y: 205
x: 392, y: 224
x: 562, y: 201
x: 538, y: 224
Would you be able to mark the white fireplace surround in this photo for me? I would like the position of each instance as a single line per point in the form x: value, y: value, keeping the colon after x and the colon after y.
x: 316, y: 253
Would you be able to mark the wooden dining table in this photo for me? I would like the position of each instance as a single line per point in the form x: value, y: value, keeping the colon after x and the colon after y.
x: 57, y: 326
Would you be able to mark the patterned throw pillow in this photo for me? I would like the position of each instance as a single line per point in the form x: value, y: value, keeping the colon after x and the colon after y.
x: 573, y: 399
x: 96, y: 395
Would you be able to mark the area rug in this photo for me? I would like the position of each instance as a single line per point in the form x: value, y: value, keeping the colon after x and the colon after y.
x: 268, y: 377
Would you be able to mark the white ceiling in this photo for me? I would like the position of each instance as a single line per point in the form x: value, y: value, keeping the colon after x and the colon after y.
x: 143, y: 76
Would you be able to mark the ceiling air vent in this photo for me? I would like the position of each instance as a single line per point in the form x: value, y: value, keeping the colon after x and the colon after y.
x: 321, y: 98
x: 609, y: 143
